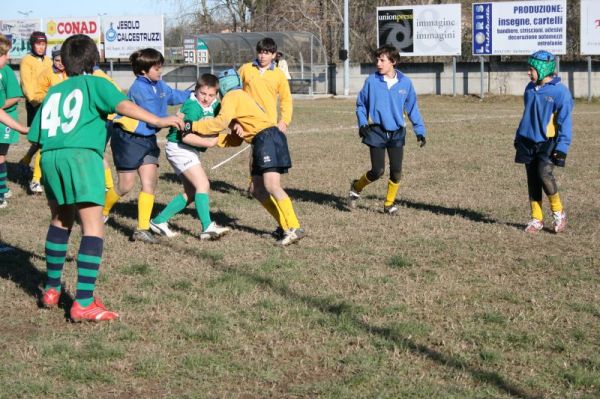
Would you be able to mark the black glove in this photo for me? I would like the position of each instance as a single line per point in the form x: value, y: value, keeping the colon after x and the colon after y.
x: 187, y: 128
x: 421, y: 139
x: 364, y: 130
x: 558, y: 158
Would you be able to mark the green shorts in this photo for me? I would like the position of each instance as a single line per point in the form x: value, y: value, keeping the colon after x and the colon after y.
x: 73, y: 175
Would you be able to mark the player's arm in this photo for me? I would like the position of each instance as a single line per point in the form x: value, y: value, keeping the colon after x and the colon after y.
x: 412, y: 110
x: 564, y: 120
x: 44, y: 83
x: 10, y: 102
x: 217, y: 124
x: 128, y: 108
x: 175, y: 97
x: 200, y: 141
x: 362, y: 103
x: 285, y: 103
x: 11, y: 123
x: 27, y: 79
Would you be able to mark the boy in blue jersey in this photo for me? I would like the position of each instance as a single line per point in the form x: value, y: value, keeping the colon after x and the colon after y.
x: 133, y: 142
x: 384, y: 98
x: 543, y: 138
x: 70, y: 130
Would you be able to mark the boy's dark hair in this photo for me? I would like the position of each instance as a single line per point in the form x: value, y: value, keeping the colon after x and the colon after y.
x: 144, y: 59
x: 390, y: 51
x: 79, y: 55
x: 267, y: 44
x: 207, y: 79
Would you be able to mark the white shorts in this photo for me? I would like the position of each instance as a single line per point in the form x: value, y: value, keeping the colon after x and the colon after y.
x: 181, y: 156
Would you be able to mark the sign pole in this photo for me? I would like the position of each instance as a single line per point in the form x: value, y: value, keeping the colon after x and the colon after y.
x: 347, y: 48
x: 454, y: 76
x: 481, y: 70
x: 111, y: 68
x: 589, y: 65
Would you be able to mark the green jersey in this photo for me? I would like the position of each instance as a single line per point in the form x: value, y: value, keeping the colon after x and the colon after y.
x: 193, y: 111
x: 73, y: 114
x: 9, y: 88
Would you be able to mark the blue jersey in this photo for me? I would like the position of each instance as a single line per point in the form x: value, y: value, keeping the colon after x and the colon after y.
x: 153, y: 97
x: 386, y: 106
x: 547, y: 114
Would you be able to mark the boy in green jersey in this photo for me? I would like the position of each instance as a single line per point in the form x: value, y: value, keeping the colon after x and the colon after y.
x: 183, y: 155
x: 70, y: 129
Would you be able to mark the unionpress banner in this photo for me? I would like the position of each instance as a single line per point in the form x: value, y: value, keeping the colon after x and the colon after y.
x: 590, y: 27
x: 522, y: 27
x: 420, y: 30
x: 124, y: 35
x: 19, y: 30
x: 58, y: 29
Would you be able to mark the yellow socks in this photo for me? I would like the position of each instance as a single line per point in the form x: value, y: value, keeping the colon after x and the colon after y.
x: 536, y: 210
x: 287, y: 209
x: 108, y: 180
x: 37, y: 170
x: 110, y: 199
x: 555, y: 203
x: 361, y: 183
x: 391, y: 193
x: 145, y: 204
x: 271, y: 206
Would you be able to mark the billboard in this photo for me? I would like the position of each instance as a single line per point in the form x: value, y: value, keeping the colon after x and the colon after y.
x: 590, y: 27
x: 59, y: 29
x: 124, y: 35
x: 18, y: 30
x: 421, y: 30
x: 195, y: 51
x: 519, y: 28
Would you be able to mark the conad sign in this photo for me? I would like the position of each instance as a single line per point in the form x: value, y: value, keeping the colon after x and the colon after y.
x: 58, y: 29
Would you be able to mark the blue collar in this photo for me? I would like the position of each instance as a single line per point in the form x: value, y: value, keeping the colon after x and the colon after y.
x: 270, y: 67
x: 147, y: 80
x: 381, y: 77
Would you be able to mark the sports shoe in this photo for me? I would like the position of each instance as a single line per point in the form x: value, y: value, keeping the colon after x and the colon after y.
x: 391, y: 210
x: 35, y: 187
x: 8, y: 194
x: 162, y: 229
x: 3, y: 202
x: 50, y: 298
x: 277, y: 234
x: 353, y: 196
x: 534, y: 226
x: 94, y: 312
x: 214, y: 232
x: 144, y: 236
x: 560, y: 221
x: 291, y: 236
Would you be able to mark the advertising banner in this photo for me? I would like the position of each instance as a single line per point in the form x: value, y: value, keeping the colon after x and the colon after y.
x: 519, y: 27
x: 19, y: 30
x: 421, y: 30
x: 590, y: 27
x: 124, y: 35
x: 58, y: 29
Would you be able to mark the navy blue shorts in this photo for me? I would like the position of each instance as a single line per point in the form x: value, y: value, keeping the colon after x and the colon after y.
x: 270, y: 152
x: 528, y: 150
x: 130, y: 151
x: 380, y: 138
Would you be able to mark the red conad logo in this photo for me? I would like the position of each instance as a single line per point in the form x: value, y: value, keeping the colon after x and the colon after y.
x: 598, y: 23
x: 72, y: 28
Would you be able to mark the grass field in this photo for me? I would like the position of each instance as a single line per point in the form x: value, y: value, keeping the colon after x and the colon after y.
x: 449, y: 299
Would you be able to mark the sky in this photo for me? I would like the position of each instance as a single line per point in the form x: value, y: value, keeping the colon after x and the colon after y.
x: 87, y: 8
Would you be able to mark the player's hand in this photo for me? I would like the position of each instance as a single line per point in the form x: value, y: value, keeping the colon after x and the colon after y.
x: 558, y: 158
x: 172, y: 121
x: 237, y: 129
x: 421, y: 140
x: 364, y: 131
x: 282, y: 126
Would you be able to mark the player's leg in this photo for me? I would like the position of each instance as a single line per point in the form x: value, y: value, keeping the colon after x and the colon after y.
x: 545, y: 171
x: 377, y: 155
x: 57, y: 239
x: 395, y: 155
x: 148, y: 173
x: 89, y: 258
x: 534, y: 188
x: 3, y: 175
x: 35, y: 186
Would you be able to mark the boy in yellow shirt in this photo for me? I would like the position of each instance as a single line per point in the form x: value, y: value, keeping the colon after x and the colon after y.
x: 270, y: 154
